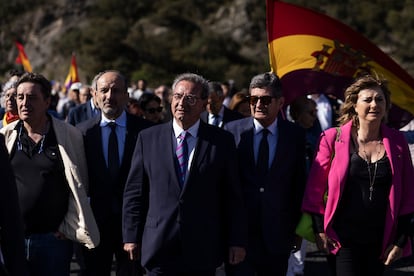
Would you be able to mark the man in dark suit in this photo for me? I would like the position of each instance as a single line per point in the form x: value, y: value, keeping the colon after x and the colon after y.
x: 107, y: 176
x: 86, y: 110
x: 183, y: 208
x: 11, y: 222
x: 271, y: 155
x: 216, y: 113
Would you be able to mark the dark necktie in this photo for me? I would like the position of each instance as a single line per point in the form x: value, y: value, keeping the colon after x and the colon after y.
x: 263, y: 155
x: 182, y: 155
x: 113, y: 154
x: 216, y: 120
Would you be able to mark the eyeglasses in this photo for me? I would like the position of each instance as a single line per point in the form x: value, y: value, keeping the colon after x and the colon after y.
x: 189, y: 99
x: 265, y: 100
x: 153, y: 110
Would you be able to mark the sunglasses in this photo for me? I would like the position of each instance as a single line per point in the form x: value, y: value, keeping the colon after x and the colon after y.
x: 153, y: 110
x: 265, y: 100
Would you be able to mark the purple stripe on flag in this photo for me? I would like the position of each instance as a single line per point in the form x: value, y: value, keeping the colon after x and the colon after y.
x: 307, y: 81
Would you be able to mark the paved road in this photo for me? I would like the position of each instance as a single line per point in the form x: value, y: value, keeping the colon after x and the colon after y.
x: 315, y: 265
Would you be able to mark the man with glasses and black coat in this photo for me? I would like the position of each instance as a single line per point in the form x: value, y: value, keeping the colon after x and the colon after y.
x: 183, y: 210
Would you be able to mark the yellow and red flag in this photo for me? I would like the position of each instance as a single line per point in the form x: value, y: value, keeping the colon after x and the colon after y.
x: 313, y: 53
x: 72, y: 76
x: 22, y: 58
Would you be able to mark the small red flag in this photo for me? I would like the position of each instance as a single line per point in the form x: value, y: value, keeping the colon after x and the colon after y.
x: 22, y: 58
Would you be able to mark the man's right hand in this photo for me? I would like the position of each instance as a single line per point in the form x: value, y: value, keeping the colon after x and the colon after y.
x: 133, y: 250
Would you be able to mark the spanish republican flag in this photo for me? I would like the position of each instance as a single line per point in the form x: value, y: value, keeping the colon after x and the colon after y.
x: 22, y: 58
x: 313, y: 53
x: 73, y: 73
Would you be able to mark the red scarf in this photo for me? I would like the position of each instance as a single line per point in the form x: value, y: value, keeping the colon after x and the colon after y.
x: 9, y: 117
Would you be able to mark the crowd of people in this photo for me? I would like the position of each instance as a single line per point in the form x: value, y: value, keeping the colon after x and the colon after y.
x: 185, y: 179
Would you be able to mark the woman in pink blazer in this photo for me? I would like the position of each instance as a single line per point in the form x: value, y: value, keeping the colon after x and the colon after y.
x: 366, y: 169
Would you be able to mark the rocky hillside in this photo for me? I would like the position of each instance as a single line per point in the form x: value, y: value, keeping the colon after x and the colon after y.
x: 221, y: 39
x: 153, y: 40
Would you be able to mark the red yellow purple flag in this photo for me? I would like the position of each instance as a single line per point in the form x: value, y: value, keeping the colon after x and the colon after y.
x: 72, y: 76
x: 22, y: 58
x: 313, y: 53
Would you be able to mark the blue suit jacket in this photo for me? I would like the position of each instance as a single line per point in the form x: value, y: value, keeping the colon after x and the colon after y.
x: 190, y: 227
x: 80, y: 113
x: 273, y: 201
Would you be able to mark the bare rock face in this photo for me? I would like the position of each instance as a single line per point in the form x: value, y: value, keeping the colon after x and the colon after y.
x: 42, y: 28
x: 38, y: 29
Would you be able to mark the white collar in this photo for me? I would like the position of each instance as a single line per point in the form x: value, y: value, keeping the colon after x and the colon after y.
x: 193, y: 130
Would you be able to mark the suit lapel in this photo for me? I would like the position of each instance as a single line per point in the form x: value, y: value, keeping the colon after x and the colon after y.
x: 88, y: 110
x: 130, y: 140
x: 246, y: 146
x: 201, y: 146
x: 171, y: 162
x: 96, y: 145
x: 282, y: 145
x: 341, y: 148
x: 226, y: 116
x: 200, y: 151
x: 393, y: 152
x: 204, y: 116
x: 11, y: 140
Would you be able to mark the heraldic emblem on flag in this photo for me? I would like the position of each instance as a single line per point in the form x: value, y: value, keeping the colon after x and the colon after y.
x: 73, y: 75
x: 313, y: 53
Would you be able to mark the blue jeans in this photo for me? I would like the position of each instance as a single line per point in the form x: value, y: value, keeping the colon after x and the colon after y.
x: 48, y: 255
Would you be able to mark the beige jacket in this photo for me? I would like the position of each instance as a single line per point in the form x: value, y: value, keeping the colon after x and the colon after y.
x: 79, y: 224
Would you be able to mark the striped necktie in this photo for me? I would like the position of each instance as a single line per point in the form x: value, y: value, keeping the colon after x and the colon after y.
x: 182, y: 155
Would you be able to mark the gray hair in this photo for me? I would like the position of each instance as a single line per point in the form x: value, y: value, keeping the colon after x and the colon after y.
x: 196, y: 79
x: 9, y: 85
x: 215, y: 87
x: 267, y: 81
